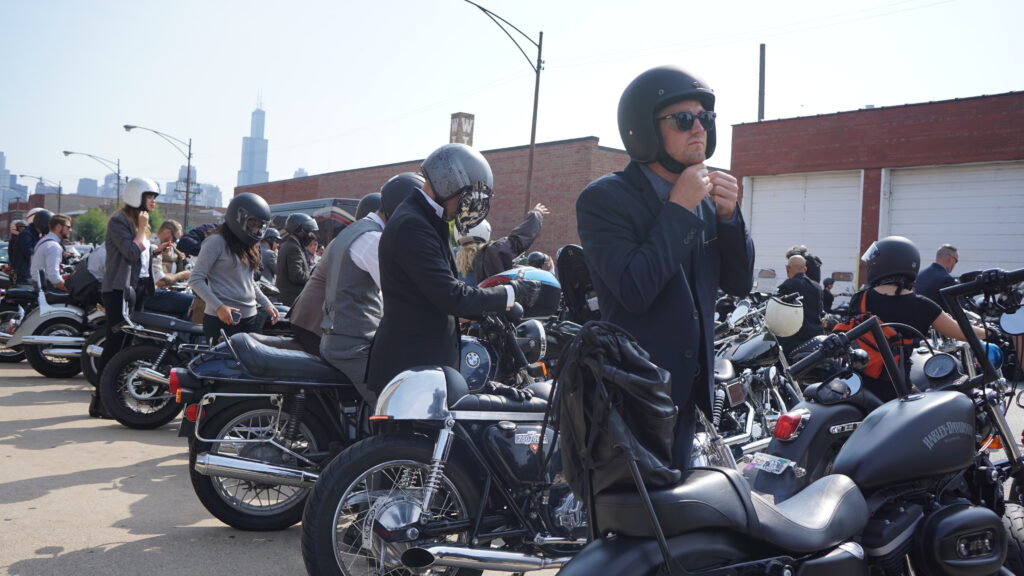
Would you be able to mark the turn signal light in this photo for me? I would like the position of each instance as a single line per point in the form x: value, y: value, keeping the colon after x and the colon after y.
x: 193, y: 412
x: 994, y: 442
x: 791, y: 423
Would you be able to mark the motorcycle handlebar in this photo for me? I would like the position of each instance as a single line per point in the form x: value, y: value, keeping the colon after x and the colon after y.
x: 833, y: 345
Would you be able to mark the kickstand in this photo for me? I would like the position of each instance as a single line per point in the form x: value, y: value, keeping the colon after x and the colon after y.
x: 652, y: 516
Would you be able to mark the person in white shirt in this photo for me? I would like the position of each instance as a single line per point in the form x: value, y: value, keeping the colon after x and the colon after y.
x: 49, y: 252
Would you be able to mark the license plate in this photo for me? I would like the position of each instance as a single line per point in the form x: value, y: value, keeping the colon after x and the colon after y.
x: 775, y: 464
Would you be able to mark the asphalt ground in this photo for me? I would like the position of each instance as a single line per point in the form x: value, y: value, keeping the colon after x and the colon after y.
x: 88, y: 497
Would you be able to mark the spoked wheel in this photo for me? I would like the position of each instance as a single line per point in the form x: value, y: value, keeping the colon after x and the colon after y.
x: 55, y: 366
x: 374, y: 487
x: 134, y: 402
x: 245, y: 504
x: 8, y: 317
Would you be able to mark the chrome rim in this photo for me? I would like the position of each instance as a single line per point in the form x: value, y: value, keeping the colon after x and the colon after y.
x: 396, y: 488
x: 253, y: 497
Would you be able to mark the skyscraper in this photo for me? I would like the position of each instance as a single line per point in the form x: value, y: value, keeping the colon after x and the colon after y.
x: 254, y: 153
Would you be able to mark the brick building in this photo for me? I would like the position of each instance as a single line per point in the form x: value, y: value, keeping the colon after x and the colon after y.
x: 561, y: 170
x: 939, y: 172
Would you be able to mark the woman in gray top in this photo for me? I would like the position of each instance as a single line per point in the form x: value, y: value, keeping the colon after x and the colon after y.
x: 223, y: 273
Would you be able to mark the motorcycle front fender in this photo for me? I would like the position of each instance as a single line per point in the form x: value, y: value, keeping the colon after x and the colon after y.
x: 35, y: 319
x: 827, y: 428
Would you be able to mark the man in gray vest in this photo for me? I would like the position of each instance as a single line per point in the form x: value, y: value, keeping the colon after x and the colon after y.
x: 352, y: 304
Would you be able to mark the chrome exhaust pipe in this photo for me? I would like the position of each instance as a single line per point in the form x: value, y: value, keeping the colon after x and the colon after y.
x: 475, y: 558
x: 94, y: 350
x: 226, y: 466
x: 63, y: 352
x: 150, y: 375
x: 35, y: 340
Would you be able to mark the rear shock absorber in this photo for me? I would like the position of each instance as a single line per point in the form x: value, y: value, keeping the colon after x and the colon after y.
x: 297, y: 412
x: 716, y: 410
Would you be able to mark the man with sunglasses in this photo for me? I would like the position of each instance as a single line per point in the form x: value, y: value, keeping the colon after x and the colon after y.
x: 663, y: 235
x: 49, y: 252
x: 938, y: 275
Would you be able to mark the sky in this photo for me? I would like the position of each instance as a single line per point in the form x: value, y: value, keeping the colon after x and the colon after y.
x: 353, y: 84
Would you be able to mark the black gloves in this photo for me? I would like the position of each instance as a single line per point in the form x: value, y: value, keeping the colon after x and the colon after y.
x: 520, y: 394
x: 527, y: 291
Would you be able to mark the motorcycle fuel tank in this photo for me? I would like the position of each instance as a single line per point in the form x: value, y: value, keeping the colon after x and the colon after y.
x: 920, y: 436
x: 756, y: 351
x: 515, y: 450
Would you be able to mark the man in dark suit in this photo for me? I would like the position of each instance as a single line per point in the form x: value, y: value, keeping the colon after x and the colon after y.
x: 810, y: 294
x: 663, y: 235
x: 422, y: 295
x: 295, y: 256
x: 937, y: 276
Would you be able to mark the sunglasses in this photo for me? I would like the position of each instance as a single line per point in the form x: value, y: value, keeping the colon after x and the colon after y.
x: 685, y: 120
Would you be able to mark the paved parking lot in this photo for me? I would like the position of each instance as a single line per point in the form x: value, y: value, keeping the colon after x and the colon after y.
x: 81, y: 496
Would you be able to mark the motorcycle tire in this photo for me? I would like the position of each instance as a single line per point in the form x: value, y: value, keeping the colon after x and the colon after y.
x: 53, y: 367
x: 407, y: 456
x: 1013, y: 520
x: 90, y: 364
x: 249, y: 505
x: 131, y: 401
x: 17, y: 353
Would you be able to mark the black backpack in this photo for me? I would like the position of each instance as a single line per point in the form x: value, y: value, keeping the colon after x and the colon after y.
x: 83, y: 287
x: 614, y: 405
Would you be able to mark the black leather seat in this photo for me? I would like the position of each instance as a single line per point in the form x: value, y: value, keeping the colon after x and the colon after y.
x: 826, y: 513
x: 724, y: 370
x: 459, y: 398
x: 55, y: 298
x: 280, y: 364
x: 21, y: 295
x: 166, y: 323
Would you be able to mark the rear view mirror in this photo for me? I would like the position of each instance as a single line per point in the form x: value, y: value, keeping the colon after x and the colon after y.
x: 1013, y: 324
x: 737, y: 315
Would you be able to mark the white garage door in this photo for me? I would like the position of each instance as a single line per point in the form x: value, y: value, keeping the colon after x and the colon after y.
x: 977, y: 208
x: 822, y: 211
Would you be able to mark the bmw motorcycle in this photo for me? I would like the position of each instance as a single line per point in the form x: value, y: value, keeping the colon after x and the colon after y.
x: 914, y: 490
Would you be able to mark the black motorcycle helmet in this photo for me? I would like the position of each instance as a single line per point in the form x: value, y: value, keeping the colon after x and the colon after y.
x: 892, y: 259
x: 644, y: 97
x: 537, y: 260
x: 41, y: 221
x: 458, y: 170
x: 397, y: 189
x: 248, y: 217
x: 300, y: 225
x: 369, y: 203
x: 271, y: 235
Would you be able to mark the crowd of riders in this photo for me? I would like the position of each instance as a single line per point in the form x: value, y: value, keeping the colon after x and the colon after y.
x: 663, y: 238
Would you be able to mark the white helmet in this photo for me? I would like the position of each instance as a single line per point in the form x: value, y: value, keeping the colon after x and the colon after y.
x: 782, y: 318
x: 479, y: 233
x: 134, y: 190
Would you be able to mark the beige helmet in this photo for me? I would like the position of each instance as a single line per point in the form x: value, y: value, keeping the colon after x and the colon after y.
x: 782, y: 318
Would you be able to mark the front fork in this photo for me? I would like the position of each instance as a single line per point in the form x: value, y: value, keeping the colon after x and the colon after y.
x: 437, y: 461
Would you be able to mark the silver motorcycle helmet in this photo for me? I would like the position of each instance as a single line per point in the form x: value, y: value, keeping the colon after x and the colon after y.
x: 782, y: 318
x: 458, y: 170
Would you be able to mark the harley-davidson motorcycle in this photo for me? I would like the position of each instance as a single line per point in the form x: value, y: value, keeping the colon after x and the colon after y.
x: 916, y: 489
x: 455, y: 481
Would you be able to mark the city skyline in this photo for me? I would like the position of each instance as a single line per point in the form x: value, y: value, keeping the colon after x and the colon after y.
x: 342, y: 95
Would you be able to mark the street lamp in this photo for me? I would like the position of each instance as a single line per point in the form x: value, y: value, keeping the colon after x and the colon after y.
x: 108, y: 164
x: 48, y: 183
x: 536, y: 88
x: 177, y: 143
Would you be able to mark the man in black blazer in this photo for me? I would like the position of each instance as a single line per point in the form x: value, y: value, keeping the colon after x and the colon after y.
x: 937, y: 276
x: 661, y: 236
x: 422, y: 295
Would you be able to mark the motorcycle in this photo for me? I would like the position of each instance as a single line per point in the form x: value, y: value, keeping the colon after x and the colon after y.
x: 134, y: 385
x: 53, y: 333
x: 914, y: 490
x: 16, y: 303
x: 452, y: 480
